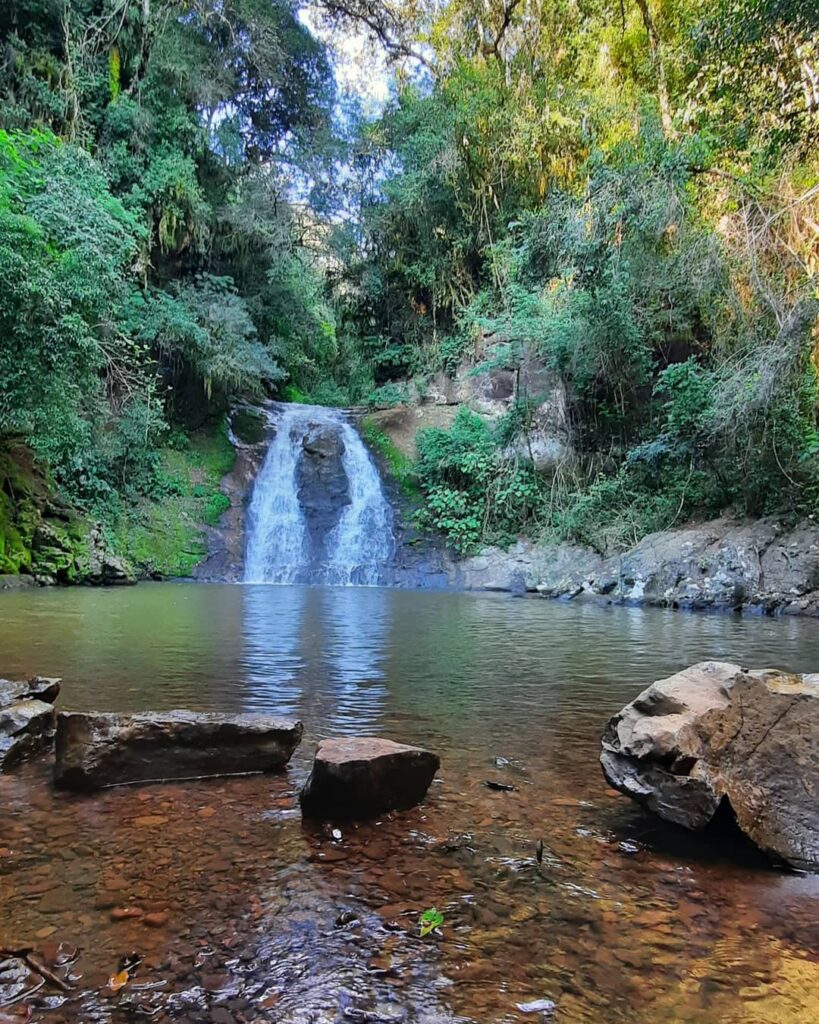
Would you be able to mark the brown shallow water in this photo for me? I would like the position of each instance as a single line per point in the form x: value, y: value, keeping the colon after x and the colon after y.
x: 238, y: 903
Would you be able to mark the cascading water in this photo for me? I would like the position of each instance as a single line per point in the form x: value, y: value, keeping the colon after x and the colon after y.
x: 281, y: 547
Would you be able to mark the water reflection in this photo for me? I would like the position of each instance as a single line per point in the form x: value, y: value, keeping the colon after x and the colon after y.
x: 356, y: 631
x: 273, y: 656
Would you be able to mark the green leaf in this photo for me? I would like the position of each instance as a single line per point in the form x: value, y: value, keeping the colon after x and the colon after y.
x: 430, y: 920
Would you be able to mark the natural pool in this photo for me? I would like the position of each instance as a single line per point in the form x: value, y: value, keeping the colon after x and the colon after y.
x: 626, y: 920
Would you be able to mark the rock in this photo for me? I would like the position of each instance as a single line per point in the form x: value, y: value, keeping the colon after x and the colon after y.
x: 364, y: 776
x: 157, y: 919
x: 226, y: 542
x: 543, y: 1006
x: 26, y: 727
x: 11, y: 582
x: 724, y: 564
x: 322, y: 483
x: 96, y: 750
x: 37, y: 688
x: 559, y: 570
x: 104, y: 567
x: 716, y: 734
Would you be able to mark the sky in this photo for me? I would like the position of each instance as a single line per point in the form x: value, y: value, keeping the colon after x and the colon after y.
x: 359, y: 65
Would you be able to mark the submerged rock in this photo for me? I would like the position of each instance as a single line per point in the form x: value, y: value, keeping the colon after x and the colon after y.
x: 360, y: 777
x: 97, y: 750
x: 718, y: 734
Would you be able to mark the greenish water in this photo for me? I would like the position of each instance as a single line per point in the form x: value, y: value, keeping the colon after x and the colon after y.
x: 667, y: 927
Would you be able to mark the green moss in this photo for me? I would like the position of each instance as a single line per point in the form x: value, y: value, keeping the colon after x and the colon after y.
x: 163, y: 536
x: 38, y: 535
x: 293, y: 394
x: 400, y: 466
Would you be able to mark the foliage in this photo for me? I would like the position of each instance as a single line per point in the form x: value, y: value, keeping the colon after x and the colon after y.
x: 153, y: 261
x: 473, y: 492
x: 160, y: 534
x: 626, y: 196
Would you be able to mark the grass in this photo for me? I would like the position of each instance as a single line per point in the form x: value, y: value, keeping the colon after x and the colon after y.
x: 400, y: 466
x: 163, y: 536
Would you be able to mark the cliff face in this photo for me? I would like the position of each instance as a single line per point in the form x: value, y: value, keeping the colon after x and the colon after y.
x: 491, y: 394
x: 250, y: 434
x: 44, y: 540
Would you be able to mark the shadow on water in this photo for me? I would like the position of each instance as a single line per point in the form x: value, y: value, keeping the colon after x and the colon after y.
x: 720, y: 843
x: 243, y: 914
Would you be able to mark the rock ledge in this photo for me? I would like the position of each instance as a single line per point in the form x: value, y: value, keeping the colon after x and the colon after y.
x: 97, y: 750
x: 26, y: 717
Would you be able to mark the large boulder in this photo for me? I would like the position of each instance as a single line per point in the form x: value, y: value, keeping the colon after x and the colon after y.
x: 717, y: 733
x: 26, y: 717
x: 26, y: 728
x: 96, y: 750
x: 361, y: 777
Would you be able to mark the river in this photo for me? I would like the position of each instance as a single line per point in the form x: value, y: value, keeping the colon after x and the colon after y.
x: 626, y: 919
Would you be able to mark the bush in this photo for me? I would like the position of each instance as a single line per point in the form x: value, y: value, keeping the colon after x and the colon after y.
x: 473, y: 492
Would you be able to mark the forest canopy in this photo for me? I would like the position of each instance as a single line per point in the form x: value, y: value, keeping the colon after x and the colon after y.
x: 191, y: 213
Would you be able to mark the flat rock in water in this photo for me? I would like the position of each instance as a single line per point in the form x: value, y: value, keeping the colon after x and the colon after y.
x: 97, y: 750
x: 360, y: 777
x: 26, y: 728
x: 36, y: 688
x: 716, y: 732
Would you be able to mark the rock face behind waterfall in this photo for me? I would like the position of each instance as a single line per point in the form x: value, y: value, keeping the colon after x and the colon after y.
x: 322, y: 486
x: 96, y: 750
x: 716, y: 732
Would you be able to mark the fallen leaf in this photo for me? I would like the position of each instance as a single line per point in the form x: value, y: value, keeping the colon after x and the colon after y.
x: 430, y: 920
x: 118, y: 980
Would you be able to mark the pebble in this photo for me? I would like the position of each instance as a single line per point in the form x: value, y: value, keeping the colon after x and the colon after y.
x: 158, y: 919
x: 123, y: 913
x: 544, y: 1006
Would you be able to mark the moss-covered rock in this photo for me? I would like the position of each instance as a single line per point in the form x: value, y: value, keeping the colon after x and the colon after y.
x: 248, y: 424
x: 39, y: 535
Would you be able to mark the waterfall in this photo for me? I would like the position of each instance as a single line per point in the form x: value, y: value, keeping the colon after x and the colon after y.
x: 350, y: 539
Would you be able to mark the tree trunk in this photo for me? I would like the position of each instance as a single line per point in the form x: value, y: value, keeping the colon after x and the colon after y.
x: 655, y: 46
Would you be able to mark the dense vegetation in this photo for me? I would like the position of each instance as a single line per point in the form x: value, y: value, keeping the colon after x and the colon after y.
x: 626, y: 192
x: 153, y: 256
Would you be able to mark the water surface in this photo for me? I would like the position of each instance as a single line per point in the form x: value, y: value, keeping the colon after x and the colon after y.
x: 626, y: 920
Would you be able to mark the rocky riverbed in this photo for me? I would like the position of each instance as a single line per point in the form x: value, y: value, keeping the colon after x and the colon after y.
x: 243, y: 913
